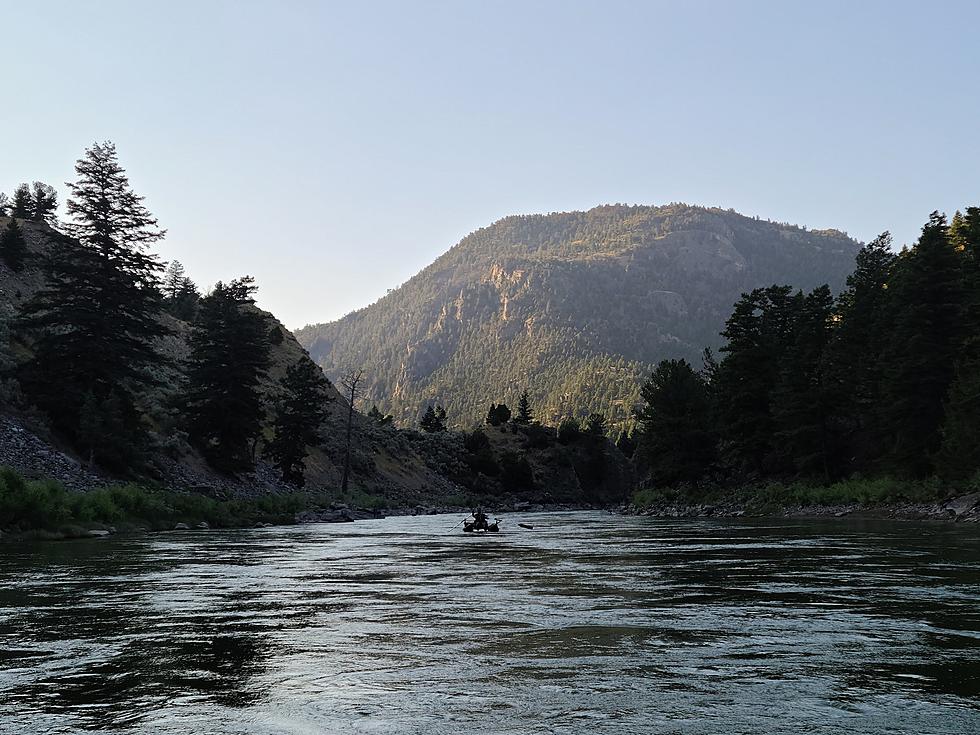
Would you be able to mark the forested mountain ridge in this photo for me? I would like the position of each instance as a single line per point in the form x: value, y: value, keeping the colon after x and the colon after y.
x: 115, y: 368
x: 576, y: 307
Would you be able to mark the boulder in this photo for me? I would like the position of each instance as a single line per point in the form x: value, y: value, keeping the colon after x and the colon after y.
x: 203, y: 525
x: 963, y: 504
x: 182, y: 527
x: 97, y: 533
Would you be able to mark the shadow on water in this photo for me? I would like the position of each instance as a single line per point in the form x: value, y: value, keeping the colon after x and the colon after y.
x: 148, y: 673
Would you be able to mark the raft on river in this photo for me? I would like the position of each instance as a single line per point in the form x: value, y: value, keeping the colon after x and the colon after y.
x: 478, y: 522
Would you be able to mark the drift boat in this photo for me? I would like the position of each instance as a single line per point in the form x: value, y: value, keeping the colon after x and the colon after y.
x: 480, y: 523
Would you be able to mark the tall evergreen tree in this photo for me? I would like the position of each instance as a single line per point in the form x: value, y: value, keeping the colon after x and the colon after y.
x: 173, y: 280
x: 803, y: 400
x: 229, y: 357
x: 927, y: 303
x: 433, y: 420
x: 677, y: 438
x: 300, y: 410
x: 13, y: 248
x: 959, y: 455
x: 759, y: 332
x: 4, y: 205
x: 181, y: 296
x: 44, y: 203
x: 95, y: 323
x: 22, y: 205
x: 854, y: 355
x: 525, y: 416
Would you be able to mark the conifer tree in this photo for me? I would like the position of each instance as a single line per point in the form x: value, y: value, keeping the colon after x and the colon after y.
x: 4, y: 205
x: 762, y: 325
x: 927, y: 301
x: 803, y: 401
x: 229, y: 357
x: 300, y: 410
x: 95, y: 323
x: 173, y: 280
x: 44, y: 203
x: 433, y: 420
x: 13, y: 248
x: 181, y: 296
x: 854, y: 355
x: 22, y: 205
x: 677, y: 438
x: 525, y: 416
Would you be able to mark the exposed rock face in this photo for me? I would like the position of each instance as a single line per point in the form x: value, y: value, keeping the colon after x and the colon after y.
x: 577, y: 307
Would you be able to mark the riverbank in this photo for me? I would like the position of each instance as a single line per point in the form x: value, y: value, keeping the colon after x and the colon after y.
x: 47, y: 510
x: 794, y: 502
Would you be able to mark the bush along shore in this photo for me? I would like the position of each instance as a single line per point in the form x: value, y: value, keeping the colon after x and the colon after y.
x: 879, y: 498
x: 46, y: 509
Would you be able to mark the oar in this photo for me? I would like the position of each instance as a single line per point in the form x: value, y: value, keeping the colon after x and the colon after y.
x: 456, y: 526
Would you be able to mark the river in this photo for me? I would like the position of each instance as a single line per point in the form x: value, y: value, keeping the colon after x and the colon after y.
x: 589, y: 623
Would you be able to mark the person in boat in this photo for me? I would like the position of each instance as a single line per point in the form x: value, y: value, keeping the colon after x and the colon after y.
x: 480, y: 521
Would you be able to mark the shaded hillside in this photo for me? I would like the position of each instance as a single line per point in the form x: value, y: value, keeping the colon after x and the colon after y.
x: 384, y: 463
x: 576, y: 307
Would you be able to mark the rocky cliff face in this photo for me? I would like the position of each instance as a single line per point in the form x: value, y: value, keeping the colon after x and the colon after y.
x: 576, y: 307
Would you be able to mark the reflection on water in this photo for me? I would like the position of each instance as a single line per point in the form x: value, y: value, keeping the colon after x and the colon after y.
x: 588, y: 623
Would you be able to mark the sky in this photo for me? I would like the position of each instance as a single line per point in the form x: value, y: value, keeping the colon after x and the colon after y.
x: 333, y: 149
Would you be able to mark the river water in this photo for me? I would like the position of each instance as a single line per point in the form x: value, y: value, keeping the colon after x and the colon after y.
x: 589, y: 623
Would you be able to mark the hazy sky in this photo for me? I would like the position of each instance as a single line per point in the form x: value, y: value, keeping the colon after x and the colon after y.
x: 333, y: 149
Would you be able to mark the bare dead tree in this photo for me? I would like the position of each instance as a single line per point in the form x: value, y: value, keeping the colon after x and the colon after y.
x: 351, y: 382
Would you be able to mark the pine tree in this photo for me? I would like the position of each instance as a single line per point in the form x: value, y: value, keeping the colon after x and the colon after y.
x: 927, y: 300
x: 854, y: 355
x: 173, y: 280
x: 759, y: 331
x: 4, y: 205
x: 677, y: 438
x: 44, y: 203
x: 22, y: 205
x: 433, y: 420
x: 525, y: 416
x: 95, y: 323
x: 229, y: 357
x: 300, y: 410
x: 959, y: 454
x: 181, y: 296
x: 498, y: 415
x: 802, y: 400
x: 13, y: 248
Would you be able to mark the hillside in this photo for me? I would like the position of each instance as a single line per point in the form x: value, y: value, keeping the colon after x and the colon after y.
x: 575, y: 306
x: 383, y: 463
x: 393, y: 467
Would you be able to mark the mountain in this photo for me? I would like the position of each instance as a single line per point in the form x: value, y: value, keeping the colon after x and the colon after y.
x: 576, y: 307
x: 396, y: 468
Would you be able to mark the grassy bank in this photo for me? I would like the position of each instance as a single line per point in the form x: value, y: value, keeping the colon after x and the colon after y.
x: 777, y: 496
x: 45, y: 507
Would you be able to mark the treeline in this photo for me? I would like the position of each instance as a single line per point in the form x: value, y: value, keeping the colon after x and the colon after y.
x: 883, y: 380
x: 90, y: 354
